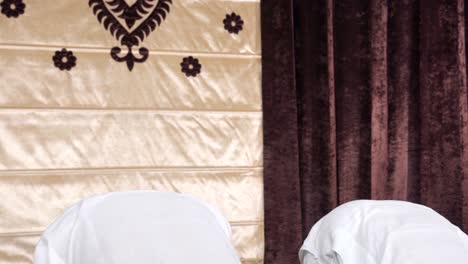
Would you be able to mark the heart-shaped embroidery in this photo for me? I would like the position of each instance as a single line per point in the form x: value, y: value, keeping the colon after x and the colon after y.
x: 130, y: 24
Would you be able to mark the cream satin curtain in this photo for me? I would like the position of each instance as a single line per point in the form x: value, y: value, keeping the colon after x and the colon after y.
x: 98, y: 127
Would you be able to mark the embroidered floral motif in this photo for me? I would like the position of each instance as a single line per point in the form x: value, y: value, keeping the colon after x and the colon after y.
x: 64, y: 59
x: 233, y: 23
x: 130, y: 24
x: 190, y: 66
x: 12, y: 8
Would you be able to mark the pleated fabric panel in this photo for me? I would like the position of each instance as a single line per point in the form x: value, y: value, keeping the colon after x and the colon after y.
x: 184, y: 116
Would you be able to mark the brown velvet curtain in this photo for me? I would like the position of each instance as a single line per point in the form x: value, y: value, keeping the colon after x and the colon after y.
x: 362, y: 99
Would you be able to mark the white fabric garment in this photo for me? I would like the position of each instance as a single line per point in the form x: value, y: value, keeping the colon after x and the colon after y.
x: 143, y: 227
x: 384, y: 232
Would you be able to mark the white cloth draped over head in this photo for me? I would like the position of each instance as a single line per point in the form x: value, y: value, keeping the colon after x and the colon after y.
x: 143, y: 227
x: 384, y: 232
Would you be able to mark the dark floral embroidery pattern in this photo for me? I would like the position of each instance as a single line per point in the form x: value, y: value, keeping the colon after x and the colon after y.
x: 190, y: 66
x: 141, y: 18
x: 233, y: 23
x: 64, y: 59
x: 12, y: 8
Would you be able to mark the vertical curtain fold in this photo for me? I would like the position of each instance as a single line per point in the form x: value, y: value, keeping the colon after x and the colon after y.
x: 361, y: 100
x: 283, y: 198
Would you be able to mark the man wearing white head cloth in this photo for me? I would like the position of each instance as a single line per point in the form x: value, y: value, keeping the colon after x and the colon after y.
x: 143, y: 227
x: 384, y: 232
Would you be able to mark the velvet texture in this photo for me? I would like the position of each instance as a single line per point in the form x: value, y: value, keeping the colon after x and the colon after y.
x: 362, y: 100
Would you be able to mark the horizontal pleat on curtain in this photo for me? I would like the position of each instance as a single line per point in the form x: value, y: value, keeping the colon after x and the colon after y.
x: 94, y: 126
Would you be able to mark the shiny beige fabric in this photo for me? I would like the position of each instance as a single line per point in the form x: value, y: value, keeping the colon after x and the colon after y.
x: 66, y: 135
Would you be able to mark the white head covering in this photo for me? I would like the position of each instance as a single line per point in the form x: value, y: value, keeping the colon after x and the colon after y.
x: 384, y: 232
x: 143, y: 227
